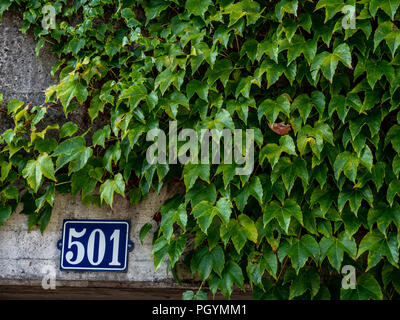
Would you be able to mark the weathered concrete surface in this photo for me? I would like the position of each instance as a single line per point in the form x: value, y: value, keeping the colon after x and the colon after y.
x: 24, y: 255
x: 22, y: 75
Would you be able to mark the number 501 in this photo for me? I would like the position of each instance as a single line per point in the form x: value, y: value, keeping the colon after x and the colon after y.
x: 101, y: 248
x: 95, y: 245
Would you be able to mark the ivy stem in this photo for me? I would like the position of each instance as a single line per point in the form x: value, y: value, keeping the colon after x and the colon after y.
x: 65, y: 182
x: 282, y: 267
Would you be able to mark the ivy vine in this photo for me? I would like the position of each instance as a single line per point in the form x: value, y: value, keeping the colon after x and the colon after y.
x: 323, y: 101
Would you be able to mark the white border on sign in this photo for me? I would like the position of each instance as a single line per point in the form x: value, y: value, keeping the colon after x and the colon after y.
x: 90, y: 268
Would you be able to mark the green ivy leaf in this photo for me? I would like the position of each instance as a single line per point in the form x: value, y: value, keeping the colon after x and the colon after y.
x: 378, y: 246
x: 366, y: 288
x: 144, y: 231
x: 67, y: 130
x: 5, y: 213
x: 69, y: 89
x: 327, y: 62
x: 191, y: 172
x: 36, y: 169
x: 334, y: 248
x: 306, y: 280
x: 110, y: 186
x: 347, y: 163
x: 303, y: 249
x: 283, y: 214
x: 384, y: 215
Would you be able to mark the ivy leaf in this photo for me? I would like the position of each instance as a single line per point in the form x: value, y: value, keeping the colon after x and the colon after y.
x: 196, y: 86
x: 190, y: 295
x: 393, y: 189
x: 395, y: 165
x: 271, y: 108
x: 338, y: 103
x: 144, y: 231
x: 36, y: 169
x: 272, y: 69
x: 67, y: 130
x: 173, y: 212
x: 135, y: 94
x: 249, y: 227
x: 283, y: 214
x: 384, y: 215
x: 389, y: 6
x: 193, y: 171
x: 307, y: 279
x: 197, y: 8
x: 393, y: 41
x: 290, y: 171
x: 4, y: 5
x: 270, y: 261
x: 110, y: 186
x: 5, y: 213
x: 80, y: 159
x: 70, y: 146
x: 286, y: 6
x: 393, y: 136
x: 324, y: 197
x: 355, y: 197
x: 331, y: 7
x: 334, y: 248
x: 269, y: 48
x: 253, y: 188
x: 204, y: 212
x: 175, y: 249
x: 236, y: 232
x: 221, y: 70
x: 82, y: 180
x: 347, y: 163
x: 200, y: 192
x: 391, y: 275
x: 304, y: 105
x: 255, y: 272
x: 75, y: 45
x: 379, y: 246
x: 5, y: 169
x: 366, y: 288
x: 47, y: 197
x: 159, y: 252
x: 69, y: 89
x: 287, y: 144
x: 303, y: 249
x: 272, y: 152
x: 231, y: 275
x: 250, y: 47
x: 383, y: 29
x: 327, y: 62
x: 100, y: 136
x: 96, y: 106
x: 44, y: 216
x: 314, y: 137
x: 224, y: 209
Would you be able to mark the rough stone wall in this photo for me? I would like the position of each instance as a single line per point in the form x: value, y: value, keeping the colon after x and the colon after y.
x: 22, y: 75
x: 23, y: 255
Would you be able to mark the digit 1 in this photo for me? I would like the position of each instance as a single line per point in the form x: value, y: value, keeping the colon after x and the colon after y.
x: 115, y: 238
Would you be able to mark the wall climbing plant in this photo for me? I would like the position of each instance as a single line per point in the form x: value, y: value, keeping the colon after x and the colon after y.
x: 321, y: 94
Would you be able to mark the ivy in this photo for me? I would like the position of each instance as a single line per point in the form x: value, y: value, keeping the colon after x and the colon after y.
x: 323, y: 101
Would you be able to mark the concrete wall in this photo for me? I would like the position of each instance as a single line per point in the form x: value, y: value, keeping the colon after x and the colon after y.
x: 23, y: 255
x: 22, y: 76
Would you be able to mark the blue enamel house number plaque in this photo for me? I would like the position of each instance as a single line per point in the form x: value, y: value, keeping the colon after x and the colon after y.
x: 95, y: 245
